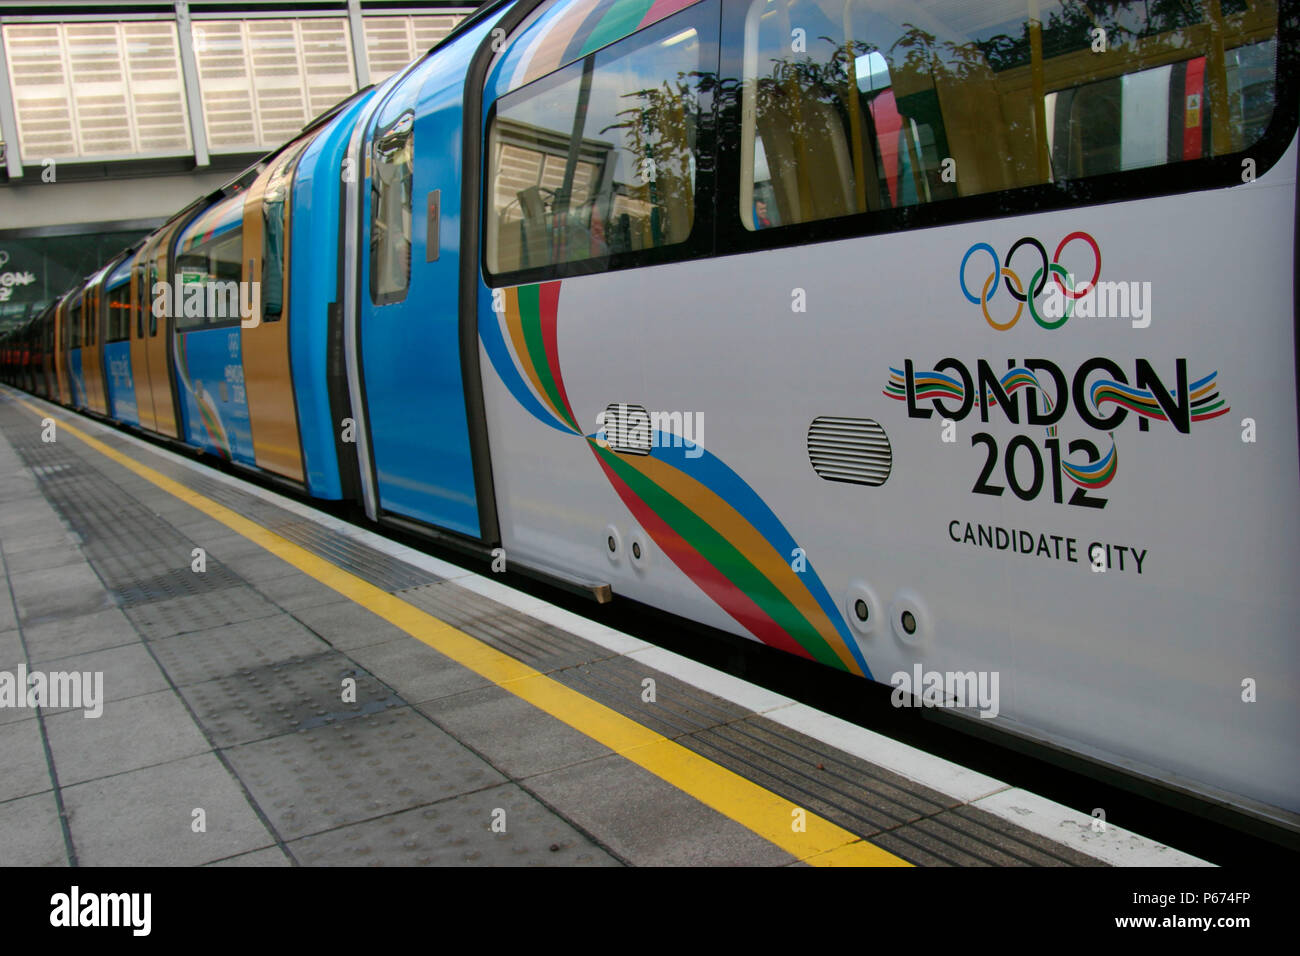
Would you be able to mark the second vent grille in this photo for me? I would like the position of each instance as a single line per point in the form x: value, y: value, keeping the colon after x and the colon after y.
x: 855, y: 450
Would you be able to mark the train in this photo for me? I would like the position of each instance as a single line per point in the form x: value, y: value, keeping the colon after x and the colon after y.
x: 949, y: 345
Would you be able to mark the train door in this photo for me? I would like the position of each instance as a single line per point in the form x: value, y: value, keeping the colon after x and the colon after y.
x: 92, y: 349
x: 264, y: 339
x: 409, y: 330
x: 157, y: 344
x: 598, y: 168
x: 74, y: 318
x: 119, y: 386
x: 62, y: 386
x: 141, y: 317
x: 45, y: 380
x: 206, y: 315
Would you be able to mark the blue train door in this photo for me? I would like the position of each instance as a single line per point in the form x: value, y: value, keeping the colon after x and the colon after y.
x: 408, y: 319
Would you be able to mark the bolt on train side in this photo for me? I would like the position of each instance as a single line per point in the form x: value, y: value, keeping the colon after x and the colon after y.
x: 990, y: 310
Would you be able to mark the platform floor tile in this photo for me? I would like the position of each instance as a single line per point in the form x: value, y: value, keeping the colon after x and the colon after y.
x: 519, y: 739
x: 319, y: 779
x: 79, y: 634
x: 291, y: 695
x: 346, y: 626
x: 30, y: 834
x: 22, y: 755
x: 201, y: 655
x: 129, y: 671
x: 138, y: 732
x: 459, y: 831
x: 199, y: 612
x: 147, y: 817
x: 416, y: 671
x: 271, y: 856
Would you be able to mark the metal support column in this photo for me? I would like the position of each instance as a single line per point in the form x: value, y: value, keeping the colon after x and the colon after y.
x: 8, y: 120
x: 190, y: 70
x: 361, y: 63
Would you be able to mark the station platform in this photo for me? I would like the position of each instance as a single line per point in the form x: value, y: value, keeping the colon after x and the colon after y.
x: 317, y: 694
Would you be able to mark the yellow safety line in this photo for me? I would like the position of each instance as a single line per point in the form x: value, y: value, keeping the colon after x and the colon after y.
x: 821, y: 843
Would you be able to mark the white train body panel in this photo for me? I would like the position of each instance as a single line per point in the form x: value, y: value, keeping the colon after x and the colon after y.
x: 1145, y: 668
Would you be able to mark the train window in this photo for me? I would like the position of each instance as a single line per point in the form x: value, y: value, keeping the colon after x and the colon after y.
x: 141, y: 299
x: 153, y: 311
x: 74, y: 326
x: 851, y: 106
x: 119, y: 313
x: 599, y: 158
x: 390, y: 211
x: 275, y: 233
x: 213, y: 268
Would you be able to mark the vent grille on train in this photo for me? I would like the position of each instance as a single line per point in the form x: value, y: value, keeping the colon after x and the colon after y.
x: 627, y: 428
x: 856, y: 450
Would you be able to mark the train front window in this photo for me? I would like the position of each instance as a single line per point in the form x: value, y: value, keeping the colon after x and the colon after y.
x: 852, y: 106
x: 599, y: 158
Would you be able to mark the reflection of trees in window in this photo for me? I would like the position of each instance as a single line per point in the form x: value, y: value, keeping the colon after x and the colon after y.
x: 657, y: 206
x: 1070, y: 28
x: 842, y: 136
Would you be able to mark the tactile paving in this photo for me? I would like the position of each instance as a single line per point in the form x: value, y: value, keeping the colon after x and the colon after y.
x: 377, y: 764
x: 459, y: 831
x: 289, y: 695
x: 362, y: 560
x: 967, y: 836
x: 215, y: 652
x: 676, y: 709
x: 199, y: 611
x: 538, y: 644
x: 858, y: 796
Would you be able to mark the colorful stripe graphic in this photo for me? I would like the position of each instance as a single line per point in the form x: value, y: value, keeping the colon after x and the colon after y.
x: 568, y: 32
x: 1097, y: 474
x: 704, y: 517
x: 1205, y: 400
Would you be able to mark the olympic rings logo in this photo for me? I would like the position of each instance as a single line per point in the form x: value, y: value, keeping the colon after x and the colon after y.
x: 1025, y: 295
